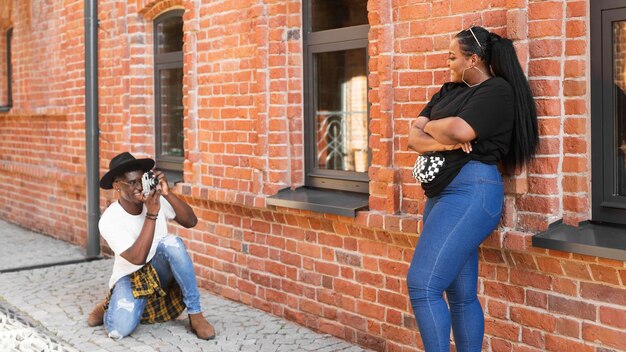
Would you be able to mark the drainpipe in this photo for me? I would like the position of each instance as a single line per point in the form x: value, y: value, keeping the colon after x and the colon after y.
x: 91, y: 127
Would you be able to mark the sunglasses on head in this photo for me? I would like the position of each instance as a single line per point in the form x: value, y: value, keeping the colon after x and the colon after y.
x: 474, y: 35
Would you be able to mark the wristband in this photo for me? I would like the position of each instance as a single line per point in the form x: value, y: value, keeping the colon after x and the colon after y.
x: 149, y: 214
x: 151, y: 217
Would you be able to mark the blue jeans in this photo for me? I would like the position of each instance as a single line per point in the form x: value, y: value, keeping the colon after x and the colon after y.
x: 171, y: 262
x: 456, y: 222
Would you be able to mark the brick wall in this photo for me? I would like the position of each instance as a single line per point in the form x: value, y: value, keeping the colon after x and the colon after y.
x: 42, y: 144
x: 244, y: 141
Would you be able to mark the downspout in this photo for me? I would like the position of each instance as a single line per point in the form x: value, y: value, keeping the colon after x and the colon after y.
x: 91, y: 127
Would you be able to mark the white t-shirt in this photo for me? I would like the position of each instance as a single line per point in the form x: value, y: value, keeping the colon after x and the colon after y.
x: 121, y: 229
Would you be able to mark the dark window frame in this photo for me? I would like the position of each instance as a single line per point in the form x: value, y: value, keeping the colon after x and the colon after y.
x: 9, y: 40
x: 607, y: 205
x: 164, y: 61
x: 338, y: 39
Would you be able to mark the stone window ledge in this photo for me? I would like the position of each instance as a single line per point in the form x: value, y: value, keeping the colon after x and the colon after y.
x: 320, y: 200
x: 597, y: 240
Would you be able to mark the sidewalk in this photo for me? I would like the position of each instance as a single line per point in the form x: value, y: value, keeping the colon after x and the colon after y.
x: 46, y: 308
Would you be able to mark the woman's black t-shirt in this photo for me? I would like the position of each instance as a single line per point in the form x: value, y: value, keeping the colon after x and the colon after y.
x: 488, y: 109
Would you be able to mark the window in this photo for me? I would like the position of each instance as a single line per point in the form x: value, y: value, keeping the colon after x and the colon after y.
x: 6, y: 99
x: 168, y: 80
x: 337, y: 152
x: 608, y: 110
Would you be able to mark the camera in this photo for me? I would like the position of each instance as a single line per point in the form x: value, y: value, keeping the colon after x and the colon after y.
x: 148, y: 182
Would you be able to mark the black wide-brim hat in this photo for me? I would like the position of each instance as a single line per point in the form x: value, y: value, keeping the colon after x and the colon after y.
x: 122, y: 163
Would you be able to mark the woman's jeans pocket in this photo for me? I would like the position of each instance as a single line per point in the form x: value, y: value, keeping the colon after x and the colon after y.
x: 492, y: 191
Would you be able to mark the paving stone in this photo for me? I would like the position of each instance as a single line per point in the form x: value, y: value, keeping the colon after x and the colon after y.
x: 41, y: 249
x: 23, y: 335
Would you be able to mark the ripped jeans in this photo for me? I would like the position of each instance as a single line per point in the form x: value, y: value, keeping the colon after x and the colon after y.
x: 171, y: 262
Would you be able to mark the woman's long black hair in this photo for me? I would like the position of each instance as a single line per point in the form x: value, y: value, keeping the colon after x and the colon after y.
x: 499, y: 54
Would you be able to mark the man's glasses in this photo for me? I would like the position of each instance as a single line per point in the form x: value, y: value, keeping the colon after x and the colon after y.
x: 132, y: 183
x: 474, y: 35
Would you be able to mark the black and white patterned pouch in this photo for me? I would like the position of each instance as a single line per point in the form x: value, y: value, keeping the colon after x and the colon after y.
x: 427, y: 166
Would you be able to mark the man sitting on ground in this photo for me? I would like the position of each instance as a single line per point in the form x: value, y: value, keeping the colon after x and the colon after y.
x: 153, y: 279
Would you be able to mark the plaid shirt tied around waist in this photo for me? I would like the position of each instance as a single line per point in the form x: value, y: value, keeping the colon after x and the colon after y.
x: 162, y: 304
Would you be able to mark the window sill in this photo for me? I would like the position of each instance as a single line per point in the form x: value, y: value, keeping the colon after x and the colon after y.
x: 320, y: 200
x: 595, y: 240
x: 5, y: 108
x: 173, y: 177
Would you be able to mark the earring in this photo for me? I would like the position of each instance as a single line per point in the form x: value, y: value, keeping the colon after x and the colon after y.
x: 463, y: 76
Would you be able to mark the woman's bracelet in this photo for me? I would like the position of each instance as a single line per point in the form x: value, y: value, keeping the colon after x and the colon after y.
x: 151, y: 217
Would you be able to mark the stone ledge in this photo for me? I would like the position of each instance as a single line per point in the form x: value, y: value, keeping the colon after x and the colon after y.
x: 320, y: 200
x: 596, y: 240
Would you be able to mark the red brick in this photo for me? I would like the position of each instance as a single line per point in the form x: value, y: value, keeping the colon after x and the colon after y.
x: 575, y: 28
x: 533, y: 337
x: 499, y: 345
x: 565, y: 286
x: 604, y: 274
x: 517, y: 24
x: 572, y: 307
x: 546, y: 48
x: 347, y: 287
x: 545, y: 10
x: 544, y: 67
x: 575, y: 47
x: 497, y: 309
x: 392, y: 299
x: 575, y: 164
x: 370, y: 341
x: 576, y: 270
x: 546, y: 28
x: 549, y: 265
x: 504, y: 292
x: 558, y: 344
x: 574, y: 88
x: 568, y: 327
x: 393, y: 268
x: 545, y: 88
x: 613, y: 317
x: 395, y: 333
x: 547, y: 126
x: 575, y: 126
x: 536, y: 299
x: 531, y: 279
x: 603, y: 293
x: 535, y: 319
x: 503, y: 329
x: 606, y: 336
x: 575, y: 107
x: 576, y: 9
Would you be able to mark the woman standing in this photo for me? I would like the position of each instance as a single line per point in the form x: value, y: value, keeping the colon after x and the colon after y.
x: 484, y: 116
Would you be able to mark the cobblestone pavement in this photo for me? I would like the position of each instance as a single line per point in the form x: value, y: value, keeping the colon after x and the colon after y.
x: 49, y: 307
x: 22, y: 248
x: 18, y: 333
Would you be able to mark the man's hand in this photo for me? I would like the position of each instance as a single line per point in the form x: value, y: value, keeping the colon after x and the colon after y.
x: 163, y: 185
x: 153, y: 201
